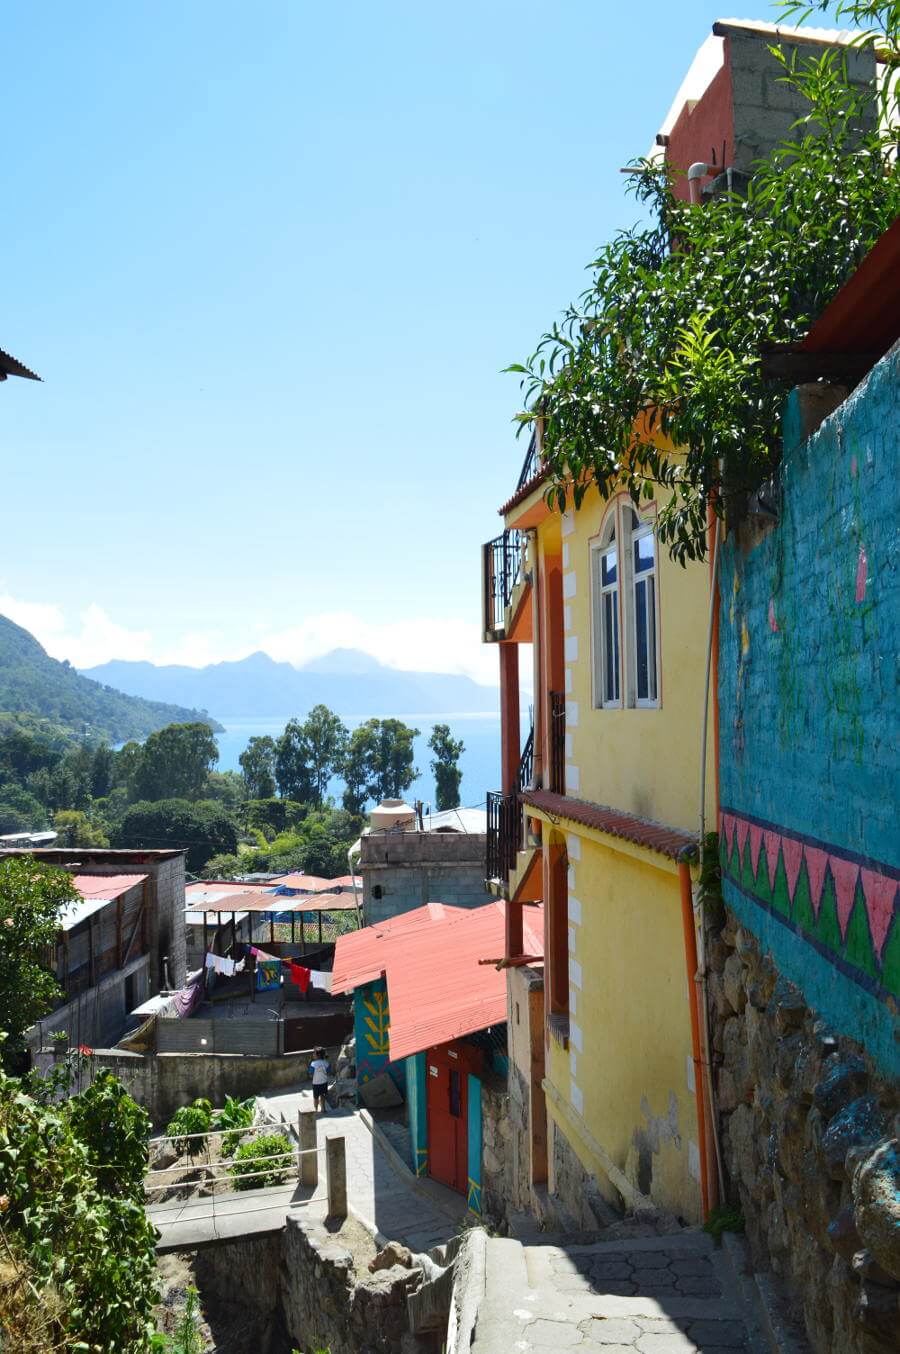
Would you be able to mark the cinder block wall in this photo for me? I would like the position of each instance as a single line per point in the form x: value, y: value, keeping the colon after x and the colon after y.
x: 764, y: 106
x: 405, y: 870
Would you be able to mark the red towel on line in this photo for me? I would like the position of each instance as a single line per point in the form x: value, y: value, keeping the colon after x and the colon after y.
x: 300, y: 975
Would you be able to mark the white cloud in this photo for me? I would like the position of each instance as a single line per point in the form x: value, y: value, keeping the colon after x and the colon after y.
x: 420, y: 644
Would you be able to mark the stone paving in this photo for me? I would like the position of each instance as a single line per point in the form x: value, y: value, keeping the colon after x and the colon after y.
x: 654, y: 1295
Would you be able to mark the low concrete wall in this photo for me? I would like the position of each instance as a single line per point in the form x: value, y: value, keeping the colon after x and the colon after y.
x: 162, y: 1082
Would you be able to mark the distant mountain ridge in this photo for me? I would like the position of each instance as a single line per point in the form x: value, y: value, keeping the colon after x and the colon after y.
x: 36, y: 687
x: 350, y: 682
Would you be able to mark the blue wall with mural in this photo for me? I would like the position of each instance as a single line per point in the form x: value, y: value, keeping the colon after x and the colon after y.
x: 473, y: 1191
x: 809, y: 724
x: 371, y: 1027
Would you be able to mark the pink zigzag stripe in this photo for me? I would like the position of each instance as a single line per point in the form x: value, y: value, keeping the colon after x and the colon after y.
x: 878, y: 892
x: 772, y: 842
x: 792, y: 854
x: 728, y: 830
x: 816, y: 860
x: 845, y: 874
x: 755, y: 844
x: 742, y: 829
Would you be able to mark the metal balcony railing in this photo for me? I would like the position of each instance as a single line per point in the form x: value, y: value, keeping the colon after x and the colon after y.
x: 531, y: 464
x: 504, y: 832
x: 526, y: 764
x: 503, y: 564
x: 557, y: 743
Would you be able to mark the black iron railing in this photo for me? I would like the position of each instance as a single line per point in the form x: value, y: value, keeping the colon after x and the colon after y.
x: 526, y: 765
x: 530, y: 465
x: 504, y: 831
x: 503, y: 559
x: 557, y: 743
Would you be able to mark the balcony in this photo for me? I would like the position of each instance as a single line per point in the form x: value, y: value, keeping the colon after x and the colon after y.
x: 504, y: 835
x: 531, y: 465
x: 503, y: 569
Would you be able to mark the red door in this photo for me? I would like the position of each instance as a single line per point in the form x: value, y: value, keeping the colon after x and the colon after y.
x: 448, y: 1132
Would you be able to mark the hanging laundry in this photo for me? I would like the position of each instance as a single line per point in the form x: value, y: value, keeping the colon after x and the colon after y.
x: 210, y: 960
x: 300, y: 976
x: 318, y: 978
x: 240, y: 965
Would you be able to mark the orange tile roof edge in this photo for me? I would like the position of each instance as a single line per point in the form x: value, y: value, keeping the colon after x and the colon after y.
x: 668, y: 841
x: 521, y: 494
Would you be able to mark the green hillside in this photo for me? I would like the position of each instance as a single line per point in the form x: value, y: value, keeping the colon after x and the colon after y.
x: 38, y: 692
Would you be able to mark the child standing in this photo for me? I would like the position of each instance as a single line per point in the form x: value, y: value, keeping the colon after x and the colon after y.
x: 319, y: 1069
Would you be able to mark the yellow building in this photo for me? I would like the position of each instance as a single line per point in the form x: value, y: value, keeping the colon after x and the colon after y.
x: 598, y: 818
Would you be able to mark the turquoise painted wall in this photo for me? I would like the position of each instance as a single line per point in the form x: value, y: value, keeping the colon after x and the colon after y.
x: 371, y: 1027
x: 416, y: 1109
x: 810, y: 721
x: 473, y: 1194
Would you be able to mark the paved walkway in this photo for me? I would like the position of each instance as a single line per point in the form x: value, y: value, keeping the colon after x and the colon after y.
x: 386, y: 1198
x: 656, y: 1295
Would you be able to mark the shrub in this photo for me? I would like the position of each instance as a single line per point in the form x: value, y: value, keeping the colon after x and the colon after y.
x: 234, y: 1117
x: 263, y: 1156
x: 190, y: 1119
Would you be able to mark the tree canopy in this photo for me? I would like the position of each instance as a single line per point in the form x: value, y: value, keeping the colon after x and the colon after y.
x: 257, y: 763
x: 175, y: 762
x: 378, y: 762
x: 32, y: 896
x: 445, y: 765
x: 202, y: 828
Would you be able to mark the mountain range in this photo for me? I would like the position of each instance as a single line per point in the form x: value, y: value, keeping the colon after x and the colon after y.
x: 39, y: 692
x: 348, y: 681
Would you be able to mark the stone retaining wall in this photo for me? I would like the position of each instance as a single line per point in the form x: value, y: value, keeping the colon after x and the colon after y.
x: 809, y: 1132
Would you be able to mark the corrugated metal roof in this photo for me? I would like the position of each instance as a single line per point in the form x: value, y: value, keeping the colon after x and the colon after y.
x: 437, y: 988
x: 668, y: 841
x: 864, y: 316
x: 73, y: 914
x: 305, y: 883
x: 106, y: 886
x: 257, y: 901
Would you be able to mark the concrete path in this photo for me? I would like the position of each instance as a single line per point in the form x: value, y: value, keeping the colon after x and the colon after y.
x: 384, y: 1196
x: 656, y: 1295
x: 190, y: 1224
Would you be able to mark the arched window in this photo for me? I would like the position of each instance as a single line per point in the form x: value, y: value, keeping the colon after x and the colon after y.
x: 643, y: 629
x: 607, y: 656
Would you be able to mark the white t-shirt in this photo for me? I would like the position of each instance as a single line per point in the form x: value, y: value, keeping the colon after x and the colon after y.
x: 319, y: 1069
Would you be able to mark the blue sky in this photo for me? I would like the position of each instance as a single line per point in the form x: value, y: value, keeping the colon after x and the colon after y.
x: 269, y: 261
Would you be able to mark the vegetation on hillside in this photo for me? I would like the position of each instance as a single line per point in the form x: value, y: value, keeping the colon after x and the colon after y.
x: 68, y: 705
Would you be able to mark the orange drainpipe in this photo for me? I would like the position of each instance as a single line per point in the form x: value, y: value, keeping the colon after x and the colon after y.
x: 707, y: 1185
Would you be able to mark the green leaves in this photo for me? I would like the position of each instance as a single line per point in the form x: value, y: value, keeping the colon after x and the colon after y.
x: 667, y: 337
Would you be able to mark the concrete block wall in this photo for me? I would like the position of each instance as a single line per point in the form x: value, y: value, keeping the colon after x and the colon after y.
x: 405, y: 870
x: 764, y: 106
x: 809, y: 721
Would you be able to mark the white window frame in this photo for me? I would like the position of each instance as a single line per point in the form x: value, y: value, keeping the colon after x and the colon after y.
x: 609, y: 536
x: 632, y: 581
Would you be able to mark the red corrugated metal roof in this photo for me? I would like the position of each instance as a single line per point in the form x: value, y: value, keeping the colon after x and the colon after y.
x: 254, y: 901
x: 106, y: 886
x: 668, y: 841
x: 437, y: 989
x: 304, y: 883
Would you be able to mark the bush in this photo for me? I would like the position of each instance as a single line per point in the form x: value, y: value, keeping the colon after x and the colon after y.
x: 190, y: 1119
x: 252, y: 1158
x: 87, y: 1255
x: 236, y: 1116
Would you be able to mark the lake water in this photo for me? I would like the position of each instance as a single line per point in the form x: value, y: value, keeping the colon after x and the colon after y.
x: 480, y: 762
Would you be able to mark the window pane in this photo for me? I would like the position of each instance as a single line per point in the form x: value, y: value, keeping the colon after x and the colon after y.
x: 615, y: 645
x: 644, y: 553
x: 640, y: 635
x: 651, y: 630
x: 609, y: 566
x: 607, y: 647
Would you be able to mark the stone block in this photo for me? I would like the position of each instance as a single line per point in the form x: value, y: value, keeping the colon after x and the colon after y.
x: 859, y: 1124
x: 876, y: 1196
x: 733, y: 983
x: 380, y: 1093
x: 844, y: 1080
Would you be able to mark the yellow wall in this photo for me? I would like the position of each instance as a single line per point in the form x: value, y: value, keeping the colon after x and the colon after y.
x: 645, y: 761
x: 628, y: 1072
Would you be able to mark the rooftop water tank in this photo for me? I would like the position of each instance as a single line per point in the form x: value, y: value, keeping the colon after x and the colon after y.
x: 392, y: 813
